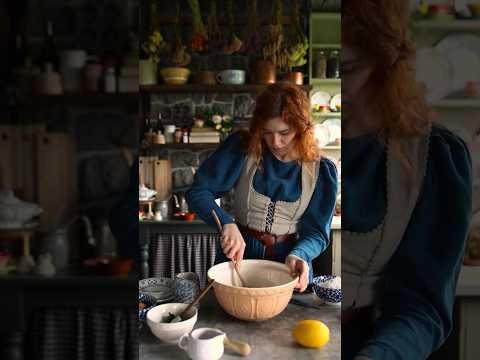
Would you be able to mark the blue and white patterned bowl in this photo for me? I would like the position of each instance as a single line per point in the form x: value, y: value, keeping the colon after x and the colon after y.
x: 162, y: 289
x: 150, y: 302
x: 326, y: 294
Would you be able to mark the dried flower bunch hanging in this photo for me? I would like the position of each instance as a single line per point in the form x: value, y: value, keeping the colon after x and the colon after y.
x: 298, y: 42
x: 253, y: 42
x: 155, y: 44
x: 234, y: 43
x: 199, y: 40
x: 213, y: 29
x: 273, y: 47
x: 178, y: 52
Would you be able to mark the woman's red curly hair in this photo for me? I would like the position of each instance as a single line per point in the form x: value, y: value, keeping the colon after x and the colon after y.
x: 291, y: 103
x: 379, y: 30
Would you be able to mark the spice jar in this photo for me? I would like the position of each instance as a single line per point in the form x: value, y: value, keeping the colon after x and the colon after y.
x: 185, y: 135
x: 320, y: 69
x: 178, y: 136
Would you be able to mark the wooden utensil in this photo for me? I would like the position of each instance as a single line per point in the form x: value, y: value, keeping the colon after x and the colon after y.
x: 239, y: 347
x: 177, y: 318
x: 220, y: 228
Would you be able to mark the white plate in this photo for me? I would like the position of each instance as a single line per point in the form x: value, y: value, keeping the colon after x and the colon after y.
x: 322, y: 134
x: 334, y: 128
x: 463, y: 52
x: 336, y: 101
x: 465, y: 66
x: 320, y: 98
x: 435, y: 71
x: 460, y: 41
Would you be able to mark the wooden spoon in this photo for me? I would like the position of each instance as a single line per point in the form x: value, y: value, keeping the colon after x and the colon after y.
x: 220, y: 228
x: 239, y: 347
x: 178, y: 318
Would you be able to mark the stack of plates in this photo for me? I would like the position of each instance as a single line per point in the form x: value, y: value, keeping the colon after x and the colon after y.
x: 448, y: 67
x: 162, y: 289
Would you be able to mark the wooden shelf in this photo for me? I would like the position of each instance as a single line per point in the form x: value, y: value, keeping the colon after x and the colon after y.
x: 195, y: 146
x: 222, y: 20
x: 194, y: 88
x: 452, y: 25
x: 326, y: 46
x: 457, y: 103
x: 82, y: 99
x: 326, y: 114
x: 326, y: 16
x: 315, y: 81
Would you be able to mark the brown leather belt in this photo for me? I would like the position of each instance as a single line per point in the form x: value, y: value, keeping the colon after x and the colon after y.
x: 267, y: 239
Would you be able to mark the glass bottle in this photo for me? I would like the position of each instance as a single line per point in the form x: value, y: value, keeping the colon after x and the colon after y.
x: 49, y: 50
x: 320, y: 69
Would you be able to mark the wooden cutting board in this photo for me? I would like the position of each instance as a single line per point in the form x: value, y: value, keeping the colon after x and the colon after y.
x: 163, y: 179
x: 57, y: 178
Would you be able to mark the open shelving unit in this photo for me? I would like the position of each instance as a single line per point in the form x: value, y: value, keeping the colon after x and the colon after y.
x: 325, y: 34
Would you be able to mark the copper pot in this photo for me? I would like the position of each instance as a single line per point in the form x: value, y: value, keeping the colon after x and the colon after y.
x: 263, y: 72
x: 206, y: 78
x: 295, y: 77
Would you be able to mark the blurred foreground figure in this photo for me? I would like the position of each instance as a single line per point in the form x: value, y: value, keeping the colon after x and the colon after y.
x: 406, y: 195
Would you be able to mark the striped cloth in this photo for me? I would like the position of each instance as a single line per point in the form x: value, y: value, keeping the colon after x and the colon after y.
x: 171, y: 254
x: 83, y: 334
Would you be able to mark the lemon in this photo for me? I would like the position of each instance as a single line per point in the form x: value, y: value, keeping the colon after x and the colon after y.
x: 311, y: 333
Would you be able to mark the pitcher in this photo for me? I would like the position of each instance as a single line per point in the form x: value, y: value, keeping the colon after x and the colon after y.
x: 203, y: 344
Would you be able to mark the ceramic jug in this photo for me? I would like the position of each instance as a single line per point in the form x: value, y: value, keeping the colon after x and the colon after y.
x: 203, y: 344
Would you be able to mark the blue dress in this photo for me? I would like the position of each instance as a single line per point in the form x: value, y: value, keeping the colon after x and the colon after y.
x: 281, y: 181
x: 421, y: 276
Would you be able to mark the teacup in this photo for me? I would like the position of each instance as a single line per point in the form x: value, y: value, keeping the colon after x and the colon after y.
x: 231, y: 77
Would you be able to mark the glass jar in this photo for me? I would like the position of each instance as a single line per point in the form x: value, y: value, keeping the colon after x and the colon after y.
x: 333, y: 65
x: 320, y: 69
x: 169, y: 133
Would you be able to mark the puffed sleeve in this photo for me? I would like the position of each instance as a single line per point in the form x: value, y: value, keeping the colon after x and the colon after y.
x: 421, y: 278
x: 314, y: 225
x: 216, y: 177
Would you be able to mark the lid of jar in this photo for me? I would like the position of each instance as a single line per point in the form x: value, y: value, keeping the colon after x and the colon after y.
x: 169, y: 128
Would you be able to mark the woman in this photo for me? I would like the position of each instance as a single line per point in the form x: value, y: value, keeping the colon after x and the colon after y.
x: 407, y: 195
x: 284, y: 190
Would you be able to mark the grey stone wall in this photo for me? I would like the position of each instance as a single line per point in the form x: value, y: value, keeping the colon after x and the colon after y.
x: 179, y: 109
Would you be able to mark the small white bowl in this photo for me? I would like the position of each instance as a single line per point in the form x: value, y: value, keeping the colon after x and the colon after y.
x: 170, y: 332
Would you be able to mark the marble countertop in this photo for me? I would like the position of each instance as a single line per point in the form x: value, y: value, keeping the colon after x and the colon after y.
x: 269, y: 339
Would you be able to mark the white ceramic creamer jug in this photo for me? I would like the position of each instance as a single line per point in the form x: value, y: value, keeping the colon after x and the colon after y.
x: 203, y: 344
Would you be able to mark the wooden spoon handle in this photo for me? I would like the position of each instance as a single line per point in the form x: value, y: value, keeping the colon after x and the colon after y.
x: 217, y: 220
x: 197, y: 299
x: 220, y: 228
x: 241, y: 348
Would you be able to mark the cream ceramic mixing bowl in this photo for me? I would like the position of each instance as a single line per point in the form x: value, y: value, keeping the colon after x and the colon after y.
x: 269, y: 287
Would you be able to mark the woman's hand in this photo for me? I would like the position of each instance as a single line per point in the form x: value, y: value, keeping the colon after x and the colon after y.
x: 298, y: 268
x: 232, y: 243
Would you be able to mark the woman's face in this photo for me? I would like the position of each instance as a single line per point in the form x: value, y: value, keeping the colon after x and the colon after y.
x: 278, y: 136
x: 356, y: 71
